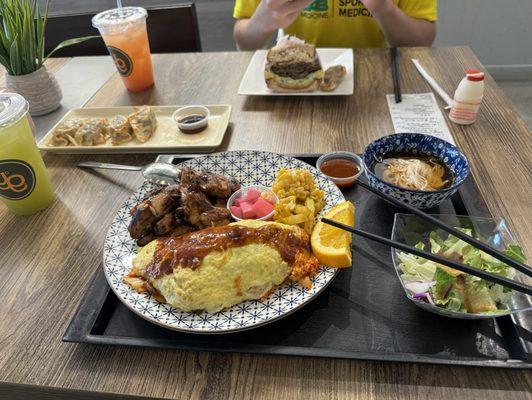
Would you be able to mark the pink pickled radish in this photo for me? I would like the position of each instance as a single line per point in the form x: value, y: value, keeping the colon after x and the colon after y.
x: 261, y: 208
x: 237, y: 211
x: 252, y: 195
x: 247, y: 210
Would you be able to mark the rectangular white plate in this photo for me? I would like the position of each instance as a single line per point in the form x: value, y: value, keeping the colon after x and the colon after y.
x: 253, y: 83
x: 167, y: 137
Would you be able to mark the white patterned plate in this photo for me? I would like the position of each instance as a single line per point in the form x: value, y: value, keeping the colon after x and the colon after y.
x: 249, y: 168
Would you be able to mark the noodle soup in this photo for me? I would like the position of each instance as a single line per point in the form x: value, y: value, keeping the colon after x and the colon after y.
x: 414, y: 172
x: 417, y: 169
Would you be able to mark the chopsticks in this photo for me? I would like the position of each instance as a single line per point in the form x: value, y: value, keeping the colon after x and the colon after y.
x: 395, y: 75
x: 518, y: 286
x: 525, y: 269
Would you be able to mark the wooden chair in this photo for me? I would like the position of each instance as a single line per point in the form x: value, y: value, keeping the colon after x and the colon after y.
x: 171, y: 29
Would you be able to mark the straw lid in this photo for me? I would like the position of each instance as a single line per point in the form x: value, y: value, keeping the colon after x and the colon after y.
x: 12, y: 107
x: 118, y: 16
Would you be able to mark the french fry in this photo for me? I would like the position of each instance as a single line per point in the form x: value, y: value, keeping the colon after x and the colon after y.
x: 294, y: 219
x: 299, y: 198
x: 309, y: 203
x: 309, y: 224
x: 301, y: 210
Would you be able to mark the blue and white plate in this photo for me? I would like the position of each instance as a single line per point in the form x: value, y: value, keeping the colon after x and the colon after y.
x: 249, y: 168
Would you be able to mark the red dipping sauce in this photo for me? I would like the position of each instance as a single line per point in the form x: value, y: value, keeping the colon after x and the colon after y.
x: 342, y: 171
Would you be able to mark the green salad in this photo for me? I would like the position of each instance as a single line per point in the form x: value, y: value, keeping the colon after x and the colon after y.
x: 448, y: 288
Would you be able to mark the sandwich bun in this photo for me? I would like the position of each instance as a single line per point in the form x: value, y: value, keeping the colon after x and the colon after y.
x: 285, y: 84
x: 293, y: 66
x: 276, y: 87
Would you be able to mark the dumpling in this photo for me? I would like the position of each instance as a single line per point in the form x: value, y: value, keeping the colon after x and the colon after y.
x: 143, y: 123
x: 120, y: 130
x: 64, y: 134
x: 94, y: 131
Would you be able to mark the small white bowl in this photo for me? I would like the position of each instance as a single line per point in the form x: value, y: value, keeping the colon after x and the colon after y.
x: 194, y: 127
x: 242, y: 192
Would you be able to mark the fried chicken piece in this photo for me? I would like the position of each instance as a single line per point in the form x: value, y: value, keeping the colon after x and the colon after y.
x: 174, y: 231
x: 190, y: 179
x: 181, y: 230
x: 216, y: 217
x: 219, y: 202
x: 200, y: 213
x: 215, y: 185
x: 218, y: 185
x: 144, y: 240
x: 178, y: 209
x: 152, y: 209
x: 165, y: 225
x: 142, y: 221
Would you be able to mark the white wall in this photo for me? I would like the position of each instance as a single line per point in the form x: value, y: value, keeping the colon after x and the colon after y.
x: 498, y: 31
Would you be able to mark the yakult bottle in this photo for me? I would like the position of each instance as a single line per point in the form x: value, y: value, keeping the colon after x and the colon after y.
x: 467, y: 98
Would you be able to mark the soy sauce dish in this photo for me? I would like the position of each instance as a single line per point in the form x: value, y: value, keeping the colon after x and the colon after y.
x: 192, y: 119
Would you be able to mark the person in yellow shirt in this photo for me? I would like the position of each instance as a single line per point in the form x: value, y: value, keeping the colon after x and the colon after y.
x: 337, y: 23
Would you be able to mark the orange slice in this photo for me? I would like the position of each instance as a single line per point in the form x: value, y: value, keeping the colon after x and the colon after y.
x: 330, y: 245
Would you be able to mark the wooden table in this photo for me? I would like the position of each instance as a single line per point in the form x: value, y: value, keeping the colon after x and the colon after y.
x: 48, y: 260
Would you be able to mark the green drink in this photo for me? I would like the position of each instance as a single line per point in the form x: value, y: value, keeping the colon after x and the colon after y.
x: 25, y: 186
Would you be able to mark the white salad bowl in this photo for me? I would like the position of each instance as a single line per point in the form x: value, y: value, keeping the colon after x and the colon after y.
x: 410, y: 229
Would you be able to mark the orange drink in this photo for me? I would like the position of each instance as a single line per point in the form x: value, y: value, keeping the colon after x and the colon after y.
x: 125, y: 35
x: 25, y: 186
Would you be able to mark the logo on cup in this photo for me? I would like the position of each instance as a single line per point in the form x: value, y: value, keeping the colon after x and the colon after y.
x: 17, y: 179
x: 122, y: 61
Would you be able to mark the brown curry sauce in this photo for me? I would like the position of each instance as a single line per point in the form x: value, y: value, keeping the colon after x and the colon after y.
x: 189, y: 250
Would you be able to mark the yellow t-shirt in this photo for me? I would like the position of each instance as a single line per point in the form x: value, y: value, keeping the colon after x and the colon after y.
x: 342, y: 23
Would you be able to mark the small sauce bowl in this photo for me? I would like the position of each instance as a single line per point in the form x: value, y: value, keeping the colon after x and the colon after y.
x: 342, y: 167
x: 243, y: 191
x: 191, y: 119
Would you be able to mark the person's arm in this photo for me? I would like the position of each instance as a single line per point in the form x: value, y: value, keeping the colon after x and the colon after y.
x: 399, y: 28
x: 271, y: 15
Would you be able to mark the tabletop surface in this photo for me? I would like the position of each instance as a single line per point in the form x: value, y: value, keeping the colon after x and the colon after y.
x: 48, y: 260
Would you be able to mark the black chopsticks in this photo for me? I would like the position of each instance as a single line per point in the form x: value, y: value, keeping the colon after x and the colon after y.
x: 395, y: 75
x: 525, y: 269
x: 518, y: 286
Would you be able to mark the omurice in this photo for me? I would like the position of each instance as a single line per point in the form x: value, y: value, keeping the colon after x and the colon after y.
x: 218, y: 267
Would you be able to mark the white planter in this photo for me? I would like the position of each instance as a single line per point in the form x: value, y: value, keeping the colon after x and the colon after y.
x: 39, y: 88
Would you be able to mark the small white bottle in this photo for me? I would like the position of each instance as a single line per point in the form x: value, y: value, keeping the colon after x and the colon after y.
x: 467, y: 98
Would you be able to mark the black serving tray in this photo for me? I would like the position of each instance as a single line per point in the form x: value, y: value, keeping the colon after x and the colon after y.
x: 363, y: 314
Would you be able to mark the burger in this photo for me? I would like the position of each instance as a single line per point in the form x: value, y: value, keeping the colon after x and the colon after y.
x: 293, y: 66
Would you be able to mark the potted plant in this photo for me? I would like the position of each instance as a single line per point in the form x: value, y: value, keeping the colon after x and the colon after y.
x: 22, y: 38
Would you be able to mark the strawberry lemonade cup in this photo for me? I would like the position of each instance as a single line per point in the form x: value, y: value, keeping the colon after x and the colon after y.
x: 125, y: 35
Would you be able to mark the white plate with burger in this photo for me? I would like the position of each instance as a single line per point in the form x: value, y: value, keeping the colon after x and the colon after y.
x: 296, y: 68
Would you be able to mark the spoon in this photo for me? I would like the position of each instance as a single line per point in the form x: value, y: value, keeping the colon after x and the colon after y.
x: 159, y: 173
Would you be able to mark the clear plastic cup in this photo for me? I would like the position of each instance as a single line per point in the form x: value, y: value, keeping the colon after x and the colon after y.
x: 25, y: 186
x: 124, y: 33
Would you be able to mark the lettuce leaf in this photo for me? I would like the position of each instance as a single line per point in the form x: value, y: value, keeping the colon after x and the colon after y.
x: 514, y: 251
x: 454, y: 246
x: 472, y: 257
x: 444, y: 283
x: 416, y: 269
x: 436, y: 243
x: 420, y: 246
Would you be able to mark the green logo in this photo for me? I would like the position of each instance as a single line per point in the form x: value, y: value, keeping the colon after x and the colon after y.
x: 318, y: 5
